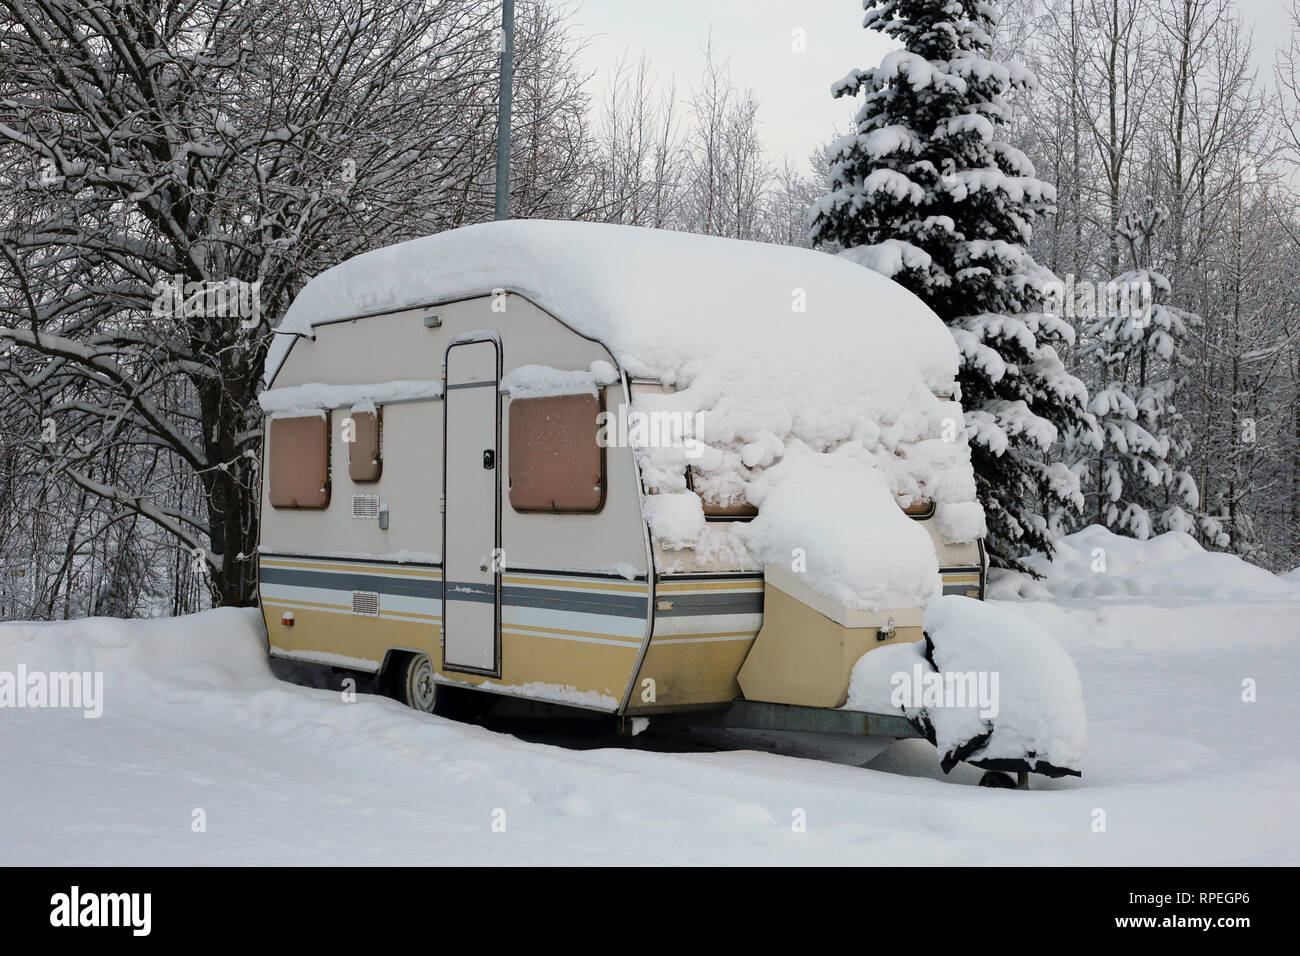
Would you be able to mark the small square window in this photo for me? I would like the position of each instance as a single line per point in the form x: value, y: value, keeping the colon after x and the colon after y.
x: 556, y: 463
x: 298, y: 461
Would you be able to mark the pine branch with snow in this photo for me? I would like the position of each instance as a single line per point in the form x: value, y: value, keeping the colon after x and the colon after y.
x: 929, y: 190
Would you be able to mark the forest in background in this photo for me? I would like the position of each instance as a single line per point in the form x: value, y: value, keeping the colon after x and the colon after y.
x: 264, y: 142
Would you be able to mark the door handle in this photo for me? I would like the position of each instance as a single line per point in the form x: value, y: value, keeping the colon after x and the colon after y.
x: 489, y: 458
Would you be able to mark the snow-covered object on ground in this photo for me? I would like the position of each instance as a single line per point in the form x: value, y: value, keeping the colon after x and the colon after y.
x: 1003, y: 689
x: 1039, y: 700
x: 1097, y: 563
x: 765, y: 348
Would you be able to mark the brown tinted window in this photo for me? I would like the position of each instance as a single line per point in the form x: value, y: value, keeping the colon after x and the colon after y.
x: 364, y: 462
x: 555, y: 461
x: 730, y: 510
x: 735, y: 509
x: 298, y: 462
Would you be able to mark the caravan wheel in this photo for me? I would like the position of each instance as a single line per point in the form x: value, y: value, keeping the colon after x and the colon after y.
x: 419, y: 689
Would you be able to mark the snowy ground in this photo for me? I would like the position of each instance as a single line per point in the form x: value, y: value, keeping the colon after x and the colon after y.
x: 1184, y: 770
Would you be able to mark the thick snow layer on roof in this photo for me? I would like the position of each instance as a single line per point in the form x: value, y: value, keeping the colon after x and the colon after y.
x: 664, y: 303
x: 766, y: 347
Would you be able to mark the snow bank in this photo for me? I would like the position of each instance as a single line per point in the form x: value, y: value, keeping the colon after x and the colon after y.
x: 1097, y: 563
x: 144, y: 660
x: 1003, y: 688
x: 293, y: 775
x: 764, y: 348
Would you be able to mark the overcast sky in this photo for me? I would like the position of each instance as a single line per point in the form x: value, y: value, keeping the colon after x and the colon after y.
x: 797, y: 111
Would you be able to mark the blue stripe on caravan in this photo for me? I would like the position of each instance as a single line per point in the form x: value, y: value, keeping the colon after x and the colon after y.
x: 554, y: 598
x: 686, y: 605
x: 343, y: 581
x: 475, y: 593
x: 587, y: 602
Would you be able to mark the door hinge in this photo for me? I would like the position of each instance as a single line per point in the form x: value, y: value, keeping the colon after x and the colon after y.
x: 442, y: 504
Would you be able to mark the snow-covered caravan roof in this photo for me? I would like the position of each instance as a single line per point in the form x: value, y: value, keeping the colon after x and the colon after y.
x: 658, y: 300
x: 796, y: 361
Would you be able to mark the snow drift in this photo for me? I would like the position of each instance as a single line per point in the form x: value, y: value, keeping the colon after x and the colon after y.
x: 1097, y: 563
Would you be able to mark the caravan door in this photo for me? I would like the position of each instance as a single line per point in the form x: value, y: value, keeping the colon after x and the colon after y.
x: 471, y: 550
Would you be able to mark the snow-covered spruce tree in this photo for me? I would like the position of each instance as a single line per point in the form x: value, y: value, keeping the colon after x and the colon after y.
x: 928, y: 191
x: 1131, y: 466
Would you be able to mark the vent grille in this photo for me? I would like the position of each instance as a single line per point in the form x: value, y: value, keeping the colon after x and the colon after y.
x: 365, y: 602
x: 365, y: 506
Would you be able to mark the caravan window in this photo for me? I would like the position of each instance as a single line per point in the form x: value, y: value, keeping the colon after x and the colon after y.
x: 556, y: 463
x: 715, y: 508
x: 918, y: 507
x: 298, y: 461
x: 364, y: 461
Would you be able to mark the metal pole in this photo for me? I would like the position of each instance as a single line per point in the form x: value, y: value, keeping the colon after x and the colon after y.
x: 503, y: 108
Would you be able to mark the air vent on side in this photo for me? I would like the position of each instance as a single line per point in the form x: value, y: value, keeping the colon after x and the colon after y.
x: 365, y: 506
x: 365, y: 602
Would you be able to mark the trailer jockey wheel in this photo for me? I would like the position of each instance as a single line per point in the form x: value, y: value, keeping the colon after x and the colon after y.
x: 419, y: 690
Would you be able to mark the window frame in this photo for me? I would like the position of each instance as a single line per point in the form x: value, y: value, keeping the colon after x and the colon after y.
x: 746, y: 516
x: 378, y: 461
x: 271, y: 471
x: 600, y: 451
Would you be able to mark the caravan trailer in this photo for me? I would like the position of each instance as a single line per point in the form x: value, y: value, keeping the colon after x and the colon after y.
x: 634, y: 472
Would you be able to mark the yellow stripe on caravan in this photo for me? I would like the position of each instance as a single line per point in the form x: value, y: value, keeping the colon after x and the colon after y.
x: 961, y: 579
x: 509, y: 631
x: 754, y: 584
x: 347, y: 609
x: 568, y: 584
x: 361, y: 567
x: 560, y: 631
x: 312, y: 605
x: 705, y: 638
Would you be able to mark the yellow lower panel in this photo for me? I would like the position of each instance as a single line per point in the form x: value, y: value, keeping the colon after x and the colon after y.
x: 347, y: 639
x: 323, y: 633
x: 688, y: 670
x: 538, y: 659
x: 802, y: 657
